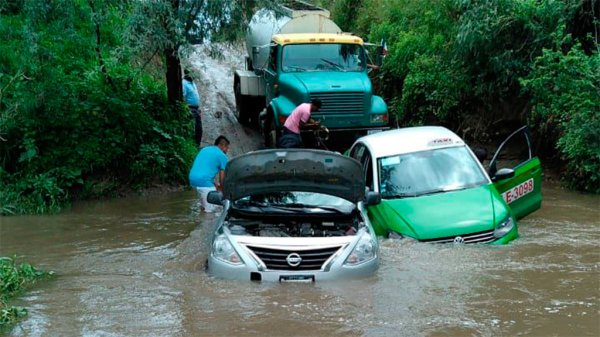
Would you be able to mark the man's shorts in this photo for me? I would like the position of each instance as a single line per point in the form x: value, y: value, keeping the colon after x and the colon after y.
x: 205, y: 206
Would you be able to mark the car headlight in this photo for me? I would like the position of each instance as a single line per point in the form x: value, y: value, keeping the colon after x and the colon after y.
x: 224, y: 251
x: 362, y: 252
x: 504, y: 227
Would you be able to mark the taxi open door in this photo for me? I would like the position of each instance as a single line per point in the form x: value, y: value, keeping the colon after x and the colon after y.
x: 521, y: 188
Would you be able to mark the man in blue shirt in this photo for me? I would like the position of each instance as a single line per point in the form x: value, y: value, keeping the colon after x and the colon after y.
x: 208, y: 171
x: 192, y: 98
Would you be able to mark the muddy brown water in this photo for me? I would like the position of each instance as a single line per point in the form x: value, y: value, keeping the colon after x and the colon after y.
x: 135, y: 267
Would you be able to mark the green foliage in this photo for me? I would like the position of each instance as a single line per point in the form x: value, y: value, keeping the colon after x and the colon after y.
x: 14, y: 279
x: 345, y: 13
x: 11, y: 6
x: 432, y: 92
x: 565, y: 90
x: 80, y: 115
x: 497, y: 40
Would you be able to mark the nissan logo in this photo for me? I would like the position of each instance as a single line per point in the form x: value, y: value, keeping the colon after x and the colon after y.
x: 459, y: 240
x: 293, y: 259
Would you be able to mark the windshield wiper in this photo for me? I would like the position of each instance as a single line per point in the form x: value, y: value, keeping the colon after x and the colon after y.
x: 250, y: 205
x: 412, y: 195
x: 399, y: 195
x: 439, y: 190
x: 297, y: 68
x: 253, y: 203
x: 463, y: 187
x: 339, y: 67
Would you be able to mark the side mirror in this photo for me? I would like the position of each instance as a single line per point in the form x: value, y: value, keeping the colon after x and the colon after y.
x: 215, y: 198
x: 372, y: 198
x: 503, y: 173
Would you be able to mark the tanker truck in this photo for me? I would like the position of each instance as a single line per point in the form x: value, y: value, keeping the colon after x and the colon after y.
x: 295, y: 54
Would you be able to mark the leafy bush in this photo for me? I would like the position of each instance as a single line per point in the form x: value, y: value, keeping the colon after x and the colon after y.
x: 13, y: 279
x: 565, y: 95
x: 431, y: 93
x: 81, y: 118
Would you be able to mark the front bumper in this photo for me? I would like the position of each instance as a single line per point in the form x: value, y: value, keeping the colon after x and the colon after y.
x: 337, y: 271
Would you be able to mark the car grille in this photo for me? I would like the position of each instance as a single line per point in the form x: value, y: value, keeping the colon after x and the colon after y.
x: 275, y: 259
x: 340, y: 102
x: 480, y: 237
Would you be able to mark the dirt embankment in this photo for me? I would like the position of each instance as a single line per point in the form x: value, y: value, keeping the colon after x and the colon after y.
x: 213, y: 68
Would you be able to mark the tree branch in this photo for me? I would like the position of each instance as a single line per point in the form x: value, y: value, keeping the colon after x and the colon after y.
x: 128, y: 84
x: 7, y: 113
x: 191, y: 17
x: 103, y: 69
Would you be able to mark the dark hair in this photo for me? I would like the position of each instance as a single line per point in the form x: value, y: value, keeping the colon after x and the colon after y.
x: 221, y: 140
x: 187, y: 75
x: 316, y: 102
x: 481, y: 153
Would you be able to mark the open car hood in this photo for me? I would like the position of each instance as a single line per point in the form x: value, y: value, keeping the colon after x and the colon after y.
x: 306, y: 170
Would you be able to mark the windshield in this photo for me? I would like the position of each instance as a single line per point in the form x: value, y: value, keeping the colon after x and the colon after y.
x: 296, y: 201
x: 426, y: 172
x: 323, y: 57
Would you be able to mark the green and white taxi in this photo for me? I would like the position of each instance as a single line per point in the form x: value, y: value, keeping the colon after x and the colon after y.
x: 434, y: 188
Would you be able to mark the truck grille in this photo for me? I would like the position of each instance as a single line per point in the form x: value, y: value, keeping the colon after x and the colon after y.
x: 480, y: 237
x: 340, y: 102
x: 275, y: 259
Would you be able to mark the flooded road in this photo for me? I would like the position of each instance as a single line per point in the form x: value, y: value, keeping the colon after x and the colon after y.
x: 135, y: 267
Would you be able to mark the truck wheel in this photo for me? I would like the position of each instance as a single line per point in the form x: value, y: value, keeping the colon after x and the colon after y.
x: 258, y: 105
x: 242, y: 106
x: 270, y: 133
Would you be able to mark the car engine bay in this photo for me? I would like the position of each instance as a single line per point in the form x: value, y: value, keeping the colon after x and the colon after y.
x: 293, y: 228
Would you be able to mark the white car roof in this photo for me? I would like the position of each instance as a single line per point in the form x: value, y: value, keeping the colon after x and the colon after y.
x: 407, y: 140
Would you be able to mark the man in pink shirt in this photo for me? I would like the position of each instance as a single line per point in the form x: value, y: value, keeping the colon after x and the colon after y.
x: 297, y: 119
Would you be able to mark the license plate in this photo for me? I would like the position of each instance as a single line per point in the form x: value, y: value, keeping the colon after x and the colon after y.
x: 370, y: 132
x: 297, y: 278
x: 518, y: 191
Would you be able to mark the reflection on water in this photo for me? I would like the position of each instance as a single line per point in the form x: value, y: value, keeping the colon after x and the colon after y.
x: 135, y: 267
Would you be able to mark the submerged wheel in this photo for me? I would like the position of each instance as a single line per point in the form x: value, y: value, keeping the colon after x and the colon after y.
x: 242, y: 106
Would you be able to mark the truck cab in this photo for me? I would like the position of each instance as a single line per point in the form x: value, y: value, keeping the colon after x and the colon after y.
x: 301, y: 55
x: 331, y: 67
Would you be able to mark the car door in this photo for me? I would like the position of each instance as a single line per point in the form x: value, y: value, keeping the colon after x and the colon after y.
x: 523, y: 191
x: 375, y: 213
x: 362, y: 154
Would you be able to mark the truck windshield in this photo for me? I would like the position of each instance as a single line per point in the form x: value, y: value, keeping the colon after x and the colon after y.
x: 323, y: 57
x: 426, y: 172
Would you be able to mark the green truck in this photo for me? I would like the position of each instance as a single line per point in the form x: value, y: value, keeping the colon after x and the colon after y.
x: 296, y: 54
